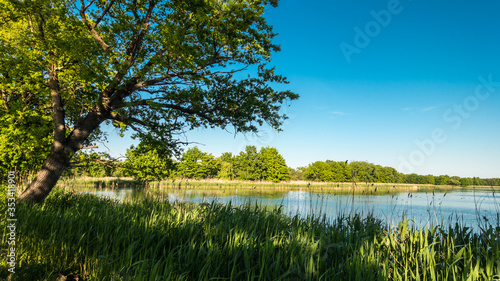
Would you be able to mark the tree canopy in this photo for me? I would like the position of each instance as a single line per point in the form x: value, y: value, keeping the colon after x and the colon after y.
x: 275, y: 168
x: 197, y: 164
x: 157, y: 67
x: 146, y: 163
x: 250, y: 164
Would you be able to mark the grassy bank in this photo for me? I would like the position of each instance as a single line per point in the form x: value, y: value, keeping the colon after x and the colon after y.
x: 98, y: 239
x: 263, y: 186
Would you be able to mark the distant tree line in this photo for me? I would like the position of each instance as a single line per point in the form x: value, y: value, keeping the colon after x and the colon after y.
x: 143, y: 163
x: 334, y: 171
x: 148, y: 164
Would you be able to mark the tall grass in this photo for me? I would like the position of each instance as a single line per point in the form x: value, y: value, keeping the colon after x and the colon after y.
x: 100, y: 239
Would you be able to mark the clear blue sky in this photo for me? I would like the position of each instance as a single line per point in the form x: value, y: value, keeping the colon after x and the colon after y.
x: 395, y: 83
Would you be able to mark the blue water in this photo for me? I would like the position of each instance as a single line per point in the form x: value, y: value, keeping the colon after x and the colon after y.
x: 468, y: 207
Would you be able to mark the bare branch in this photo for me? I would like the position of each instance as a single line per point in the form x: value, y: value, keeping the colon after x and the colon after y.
x: 90, y: 146
x: 87, y: 162
x: 90, y: 4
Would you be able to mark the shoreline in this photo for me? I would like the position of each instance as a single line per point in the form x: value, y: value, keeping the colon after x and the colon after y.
x: 201, y: 183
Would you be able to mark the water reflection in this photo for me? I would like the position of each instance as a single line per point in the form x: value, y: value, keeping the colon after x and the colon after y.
x: 423, y: 208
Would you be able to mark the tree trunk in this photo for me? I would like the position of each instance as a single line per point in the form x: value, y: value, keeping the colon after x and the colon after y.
x: 47, y: 177
x: 59, y: 158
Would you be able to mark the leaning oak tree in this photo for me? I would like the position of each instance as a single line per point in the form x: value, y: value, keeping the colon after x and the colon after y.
x: 158, y: 67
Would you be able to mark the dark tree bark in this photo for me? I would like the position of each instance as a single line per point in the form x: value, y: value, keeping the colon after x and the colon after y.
x: 59, y: 158
x: 47, y: 177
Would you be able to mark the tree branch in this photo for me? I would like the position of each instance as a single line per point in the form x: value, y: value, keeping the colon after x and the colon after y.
x: 90, y: 4
x: 106, y: 10
x: 160, y: 79
x: 57, y: 108
x: 92, y: 29
x: 90, y: 146
x: 126, y: 120
x: 181, y: 109
x: 109, y: 95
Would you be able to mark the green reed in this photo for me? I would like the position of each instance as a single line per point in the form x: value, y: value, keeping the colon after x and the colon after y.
x: 264, y: 187
x: 101, y: 239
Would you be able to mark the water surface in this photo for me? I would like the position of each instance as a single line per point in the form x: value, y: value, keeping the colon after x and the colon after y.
x: 471, y: 207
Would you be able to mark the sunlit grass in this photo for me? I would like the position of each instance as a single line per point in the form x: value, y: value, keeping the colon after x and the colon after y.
x: 100, y: 239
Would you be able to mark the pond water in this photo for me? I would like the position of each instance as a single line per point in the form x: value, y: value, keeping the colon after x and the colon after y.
x: 470, y: 207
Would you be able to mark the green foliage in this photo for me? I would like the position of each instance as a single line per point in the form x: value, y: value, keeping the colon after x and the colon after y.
x: 196, y: 164
x: 476, y: 181
x: 226, y: 163
x: 464, y: 182
x: 249, y: 164
x: 417, y: 179
x: 158, y: 68
x: 341, y: 171
x: 35, y: 36
x: 275, y: 168
x: 431, y: 179
x: 145, y: 163
x: 318, y: 171
x: 3, y: 192
x: 332, y: 171
x: 267, y: 164
x: 387, y: 175
x: 297, y: 174
x: 491, y: 182
x: 454, y: 181
x: 364, y: 171
x: 442, y: 180
x: 93, y: 164
x: 25, y: 136
x: 328, y: 171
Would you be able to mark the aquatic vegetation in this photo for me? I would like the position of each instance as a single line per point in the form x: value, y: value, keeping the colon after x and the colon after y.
x: 101, y: 239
